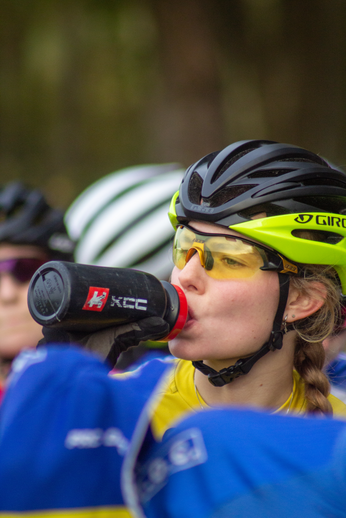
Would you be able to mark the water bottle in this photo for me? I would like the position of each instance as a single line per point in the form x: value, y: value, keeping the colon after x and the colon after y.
x: 79, y: 297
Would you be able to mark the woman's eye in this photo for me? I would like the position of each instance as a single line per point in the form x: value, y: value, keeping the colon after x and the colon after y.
x: 230, y: 261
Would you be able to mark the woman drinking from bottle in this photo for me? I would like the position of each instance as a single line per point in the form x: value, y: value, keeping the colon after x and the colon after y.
x: 260, y: 254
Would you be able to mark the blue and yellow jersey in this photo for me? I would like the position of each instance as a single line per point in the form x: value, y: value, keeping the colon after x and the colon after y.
x: 177, y: 397
x: 65, y: 430
x: 225, y: 463
x: 76, y: 442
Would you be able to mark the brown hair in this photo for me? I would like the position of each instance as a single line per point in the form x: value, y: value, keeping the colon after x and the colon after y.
x: 309, y: 352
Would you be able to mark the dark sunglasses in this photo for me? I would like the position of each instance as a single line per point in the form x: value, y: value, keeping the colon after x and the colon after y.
x: 21, y: 268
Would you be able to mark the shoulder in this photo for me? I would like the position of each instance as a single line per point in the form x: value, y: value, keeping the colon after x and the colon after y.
x: 79, y: 383
x: 38, y: 374
x: 206, y: 451
x: 70, y: 412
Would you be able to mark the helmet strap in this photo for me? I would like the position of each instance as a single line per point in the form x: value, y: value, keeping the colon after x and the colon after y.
x: 244, y: 365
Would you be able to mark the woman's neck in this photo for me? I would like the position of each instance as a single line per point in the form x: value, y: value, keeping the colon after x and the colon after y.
x: 268, y: 384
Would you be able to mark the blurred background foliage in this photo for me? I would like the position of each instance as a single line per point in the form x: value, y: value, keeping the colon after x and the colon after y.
x: 91, y: 86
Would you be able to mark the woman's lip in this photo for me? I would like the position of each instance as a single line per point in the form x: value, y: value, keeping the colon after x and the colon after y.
x: 190, y: 318
x: 190, y: 314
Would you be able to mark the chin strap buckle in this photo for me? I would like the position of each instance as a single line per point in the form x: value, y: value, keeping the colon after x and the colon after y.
x: 242, y: 366
x: 225, y: 376
x: 275, y: 341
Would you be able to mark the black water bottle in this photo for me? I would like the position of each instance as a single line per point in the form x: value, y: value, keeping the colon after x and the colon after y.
x: 79, y: 297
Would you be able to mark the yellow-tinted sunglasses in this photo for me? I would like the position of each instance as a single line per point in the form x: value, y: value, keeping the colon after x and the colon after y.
x: 226, y: 257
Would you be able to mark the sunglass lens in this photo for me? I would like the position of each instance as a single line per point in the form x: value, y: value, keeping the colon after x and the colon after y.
x: 223, y: 257
x: 24, y: 268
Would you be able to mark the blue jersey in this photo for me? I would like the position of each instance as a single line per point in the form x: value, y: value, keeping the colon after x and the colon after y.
x: 244, y: 464
x: 336, y: 371
x: 75, y: 441
x: 65, y: 430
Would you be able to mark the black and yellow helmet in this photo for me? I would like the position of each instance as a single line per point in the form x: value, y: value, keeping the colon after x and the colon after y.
x: 301, y: 196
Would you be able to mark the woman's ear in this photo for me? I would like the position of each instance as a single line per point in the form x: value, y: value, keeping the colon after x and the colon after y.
x: 303, y: 304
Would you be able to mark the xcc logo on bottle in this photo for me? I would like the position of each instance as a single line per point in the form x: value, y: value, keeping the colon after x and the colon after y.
x: 96, y: 299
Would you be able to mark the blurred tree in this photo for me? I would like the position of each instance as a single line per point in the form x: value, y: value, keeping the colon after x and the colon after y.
x: 189, y: 120
x: 89, y: 86
x: 288, y: 63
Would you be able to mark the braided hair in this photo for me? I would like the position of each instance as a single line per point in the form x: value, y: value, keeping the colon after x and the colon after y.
x: 309, y: 355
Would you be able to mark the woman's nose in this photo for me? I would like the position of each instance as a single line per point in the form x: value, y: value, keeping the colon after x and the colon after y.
x: 193, y: 273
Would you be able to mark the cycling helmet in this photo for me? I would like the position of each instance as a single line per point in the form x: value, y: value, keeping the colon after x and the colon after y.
x: 27, y: 219
x: 121, y: 220
x: 293, y: 189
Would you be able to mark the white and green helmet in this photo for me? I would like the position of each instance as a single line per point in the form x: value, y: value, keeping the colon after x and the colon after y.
x: 121, y: 220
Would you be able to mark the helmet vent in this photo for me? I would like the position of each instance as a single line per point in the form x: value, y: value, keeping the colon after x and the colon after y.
x: 270, y: 209
x: 323, y: 236
x: 268, y: 174
x: 227, y: 194
x: 335, y: 204
x: 228, y: 164
x: 330, y: 182
x: 195, y: 187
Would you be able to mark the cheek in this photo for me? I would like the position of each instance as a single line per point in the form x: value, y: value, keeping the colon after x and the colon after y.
x: 23, y: 296
x: 253, y: 301
x: 265, y: 297
x: 250, y: 316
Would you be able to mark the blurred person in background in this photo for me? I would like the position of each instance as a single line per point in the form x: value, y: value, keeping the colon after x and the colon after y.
x: 335, y: 347
x: 112, y: 221
x: 31, y: 233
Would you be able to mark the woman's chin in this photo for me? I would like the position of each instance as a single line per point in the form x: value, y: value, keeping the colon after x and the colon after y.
x: 183, y: 350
